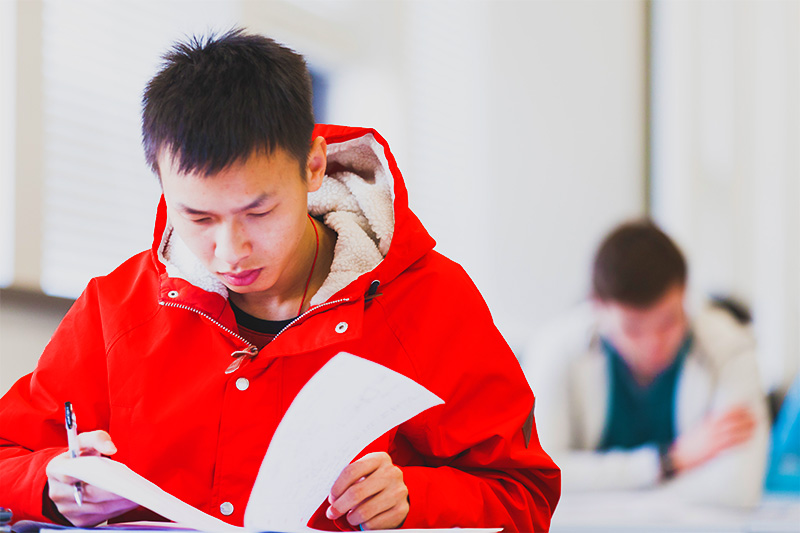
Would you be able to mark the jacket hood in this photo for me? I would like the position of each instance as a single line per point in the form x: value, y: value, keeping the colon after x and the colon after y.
x: 362, y: 198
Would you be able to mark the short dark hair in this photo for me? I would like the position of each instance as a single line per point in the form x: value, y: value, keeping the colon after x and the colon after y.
x: 636, y: 264
x: 218, y: 100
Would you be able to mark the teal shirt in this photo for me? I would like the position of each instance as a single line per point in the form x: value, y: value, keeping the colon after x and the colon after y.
x: 640, y: 415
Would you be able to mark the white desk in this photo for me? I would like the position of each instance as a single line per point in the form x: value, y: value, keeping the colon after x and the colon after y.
x: 640, y: 512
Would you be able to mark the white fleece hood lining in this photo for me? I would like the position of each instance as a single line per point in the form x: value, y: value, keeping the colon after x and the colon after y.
x: 355, y: 200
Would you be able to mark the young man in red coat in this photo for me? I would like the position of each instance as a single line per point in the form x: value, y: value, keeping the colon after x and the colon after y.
x: 277, y: 245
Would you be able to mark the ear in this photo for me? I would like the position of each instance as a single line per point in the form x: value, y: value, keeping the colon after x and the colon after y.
x: 316, y: 163
x: 601, y: 312
x: 600, y: 306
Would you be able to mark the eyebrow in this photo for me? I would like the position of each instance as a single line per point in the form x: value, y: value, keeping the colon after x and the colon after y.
x: 258, y: 202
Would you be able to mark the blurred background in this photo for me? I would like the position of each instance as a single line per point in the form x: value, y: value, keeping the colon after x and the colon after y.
x: 525, y: 131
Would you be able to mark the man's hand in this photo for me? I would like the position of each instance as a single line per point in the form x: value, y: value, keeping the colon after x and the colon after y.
x: 98, y: 505
x: 371, y: 493
x: 714, y: 435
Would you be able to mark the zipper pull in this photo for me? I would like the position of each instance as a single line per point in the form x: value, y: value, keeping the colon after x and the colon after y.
x: 240, y: 356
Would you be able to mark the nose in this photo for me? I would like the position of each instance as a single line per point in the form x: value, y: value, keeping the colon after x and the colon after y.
x: 232, y: 244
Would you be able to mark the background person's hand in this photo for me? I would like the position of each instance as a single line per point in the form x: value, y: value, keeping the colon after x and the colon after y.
x: 715, y: 434
x: 98, y: 505
x: 371, y: 492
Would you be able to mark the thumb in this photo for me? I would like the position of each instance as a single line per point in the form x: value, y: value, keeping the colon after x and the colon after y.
x: 98, y: 441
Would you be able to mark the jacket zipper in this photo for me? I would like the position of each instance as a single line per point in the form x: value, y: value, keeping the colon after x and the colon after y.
x: 239, y: 355
x: 287, y: 326
x: 251, y: 351
x: 225, y: 329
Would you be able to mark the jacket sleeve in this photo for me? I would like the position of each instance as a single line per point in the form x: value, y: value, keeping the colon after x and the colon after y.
x: 567, y: 430
x: 735, y: 477
x: 484, y: 466
x: 71, y: 368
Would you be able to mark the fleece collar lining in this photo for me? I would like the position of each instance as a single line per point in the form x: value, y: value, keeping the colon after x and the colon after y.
x: 355, y: 200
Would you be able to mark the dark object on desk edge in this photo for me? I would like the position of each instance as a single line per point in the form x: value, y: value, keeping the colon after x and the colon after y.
x: 31, y: 526
x: 5, y: 518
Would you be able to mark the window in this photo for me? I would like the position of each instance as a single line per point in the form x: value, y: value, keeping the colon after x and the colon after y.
x: 8, y: 37
x: 99, y: 196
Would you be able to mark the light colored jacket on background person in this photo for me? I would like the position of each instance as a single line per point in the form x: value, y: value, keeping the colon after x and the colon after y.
x: 566, y: 366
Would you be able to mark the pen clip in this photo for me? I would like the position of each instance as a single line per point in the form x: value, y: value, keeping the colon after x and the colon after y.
x: 74, y: 449
x: 72, y: 430
x: 69, y: 415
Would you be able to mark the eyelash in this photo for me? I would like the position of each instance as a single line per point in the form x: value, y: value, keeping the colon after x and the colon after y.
x: 206, y: 220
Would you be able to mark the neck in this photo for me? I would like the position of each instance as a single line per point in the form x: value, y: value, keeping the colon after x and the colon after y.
x: 643, y: 380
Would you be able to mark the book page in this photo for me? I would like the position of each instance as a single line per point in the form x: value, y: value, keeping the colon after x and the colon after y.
x: 115, y: 477
x: 348, y: 404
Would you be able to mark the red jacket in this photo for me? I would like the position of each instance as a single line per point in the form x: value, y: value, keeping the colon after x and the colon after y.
x: 142, y: 355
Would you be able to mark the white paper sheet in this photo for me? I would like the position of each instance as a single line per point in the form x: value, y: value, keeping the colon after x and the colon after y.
x: 348, y: 404
x: 117, y: 478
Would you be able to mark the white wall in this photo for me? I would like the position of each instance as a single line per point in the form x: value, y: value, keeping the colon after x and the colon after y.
x: 726, y: 158
x: 567, y: 138
x: 8, y: 49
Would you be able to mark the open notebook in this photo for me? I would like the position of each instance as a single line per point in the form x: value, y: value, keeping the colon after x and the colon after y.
x: 350, y: 400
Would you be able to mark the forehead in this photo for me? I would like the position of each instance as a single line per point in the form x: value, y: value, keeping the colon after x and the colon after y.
x: 259, y: 177
x: 668, y: 305
x: 171, y: 163
x: 278, y: 164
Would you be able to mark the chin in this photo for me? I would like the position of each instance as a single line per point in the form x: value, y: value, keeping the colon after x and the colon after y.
x: 242, y: 289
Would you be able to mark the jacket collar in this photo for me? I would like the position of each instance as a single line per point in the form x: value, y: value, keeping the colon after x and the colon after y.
x: 363, y: 199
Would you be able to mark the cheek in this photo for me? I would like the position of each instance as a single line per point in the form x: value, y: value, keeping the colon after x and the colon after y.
x: 266, y: 235
x: 676, y: 336
x: 278, y: 235
x: 198, y: 239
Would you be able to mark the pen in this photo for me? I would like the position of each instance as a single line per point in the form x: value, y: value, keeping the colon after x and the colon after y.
x: 74, y: 450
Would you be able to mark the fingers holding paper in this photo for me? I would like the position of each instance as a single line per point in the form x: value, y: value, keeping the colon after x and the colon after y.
x: 98, y: 505
x: 371, y: 493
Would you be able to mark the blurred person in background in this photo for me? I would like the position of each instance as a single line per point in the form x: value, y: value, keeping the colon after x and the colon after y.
x: 636, y: 394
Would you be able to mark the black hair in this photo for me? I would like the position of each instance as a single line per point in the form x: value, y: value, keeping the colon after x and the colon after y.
x: 218, y: 100
x: 636, y: 264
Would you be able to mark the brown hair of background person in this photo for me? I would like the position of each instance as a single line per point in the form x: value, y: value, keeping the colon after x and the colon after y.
x: 636, y: 264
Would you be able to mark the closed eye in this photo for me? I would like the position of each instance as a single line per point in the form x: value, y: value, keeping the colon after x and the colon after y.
x: 259, y: 215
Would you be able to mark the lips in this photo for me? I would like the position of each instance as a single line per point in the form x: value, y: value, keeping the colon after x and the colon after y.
x: 241, y: 279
